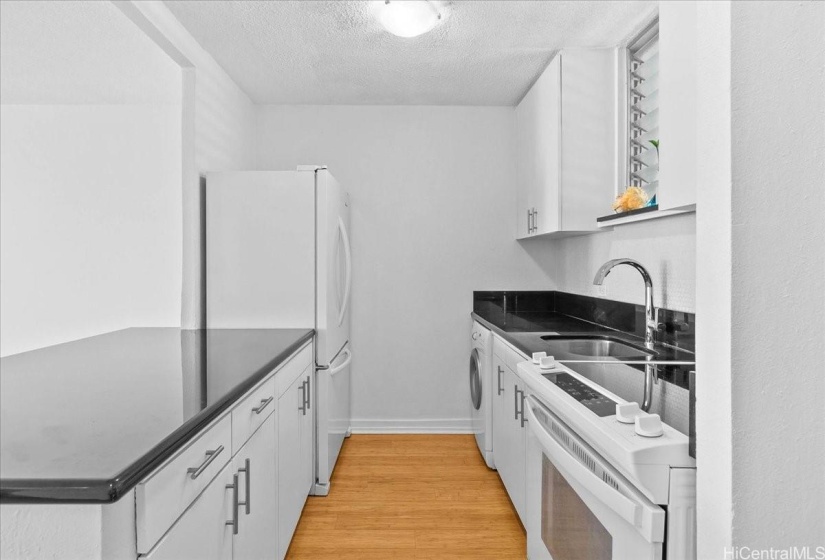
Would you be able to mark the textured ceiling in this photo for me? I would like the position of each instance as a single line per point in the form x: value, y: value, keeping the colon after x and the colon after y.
x: 76, y: 52
x: 334, y: 52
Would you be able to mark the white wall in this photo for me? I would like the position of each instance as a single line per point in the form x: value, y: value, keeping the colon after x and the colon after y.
x: 713, y: 282
x: 90, y: 209
x: 777, y: 274
x: 666, y: 247
x: 433, y: 218
x: 760, y: 421
x: 218, y: 134
x: 90, y: 214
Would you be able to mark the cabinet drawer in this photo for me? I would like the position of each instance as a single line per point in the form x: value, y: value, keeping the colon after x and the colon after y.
x: 293, y: 369
x: 251, y: 413
x: 161, y: 498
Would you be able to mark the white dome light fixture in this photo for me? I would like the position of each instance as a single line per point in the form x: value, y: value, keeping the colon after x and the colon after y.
x: 408, y: 18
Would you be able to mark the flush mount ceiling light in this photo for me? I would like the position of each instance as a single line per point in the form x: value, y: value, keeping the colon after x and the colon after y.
x: 408, y: 18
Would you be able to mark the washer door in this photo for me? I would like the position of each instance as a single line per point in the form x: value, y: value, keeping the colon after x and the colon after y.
x: 475, y: 379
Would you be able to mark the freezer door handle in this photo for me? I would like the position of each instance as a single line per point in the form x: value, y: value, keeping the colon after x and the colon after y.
x: 342, y: 229
x: 342, y: 365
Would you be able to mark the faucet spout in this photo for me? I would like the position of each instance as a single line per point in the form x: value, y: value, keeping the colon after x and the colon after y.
x: 651, y: 374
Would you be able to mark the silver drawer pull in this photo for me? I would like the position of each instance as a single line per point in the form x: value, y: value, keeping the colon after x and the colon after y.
x: 195, y: 472
x: 234, y: 487
x: 263, y: 405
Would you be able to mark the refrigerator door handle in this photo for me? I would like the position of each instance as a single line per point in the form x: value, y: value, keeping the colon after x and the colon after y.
x: 342, y: 229
x: 342, y: 365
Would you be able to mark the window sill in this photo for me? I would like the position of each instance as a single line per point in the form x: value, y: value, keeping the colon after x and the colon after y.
x: 640, y: 215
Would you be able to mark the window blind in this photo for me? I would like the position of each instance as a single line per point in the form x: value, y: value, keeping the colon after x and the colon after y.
x: 643, y: 96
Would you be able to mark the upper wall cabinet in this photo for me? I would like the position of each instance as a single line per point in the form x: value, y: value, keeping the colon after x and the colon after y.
x: 566, y: 142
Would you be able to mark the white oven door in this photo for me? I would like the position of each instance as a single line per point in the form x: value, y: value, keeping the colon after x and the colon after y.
x: 578, y: 506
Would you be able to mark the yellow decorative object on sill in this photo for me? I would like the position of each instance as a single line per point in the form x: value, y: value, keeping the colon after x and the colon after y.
x: 631, y: 199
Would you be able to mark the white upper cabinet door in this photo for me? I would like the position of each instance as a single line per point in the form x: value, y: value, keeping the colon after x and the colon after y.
x: 588, y: 137
x: 258, y: 494
x: 202, y: 532
x: 538, y: 123
x: 566, y: 144
x: 677, y: 105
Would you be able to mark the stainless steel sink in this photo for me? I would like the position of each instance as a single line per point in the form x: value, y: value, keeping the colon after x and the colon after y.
x: 595, y: 346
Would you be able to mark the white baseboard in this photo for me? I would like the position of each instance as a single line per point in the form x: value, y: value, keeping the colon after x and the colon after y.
x: 412, y: 426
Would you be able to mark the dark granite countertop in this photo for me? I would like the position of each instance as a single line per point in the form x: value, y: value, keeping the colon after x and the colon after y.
x: 522, y: 323
x: 85, y: 421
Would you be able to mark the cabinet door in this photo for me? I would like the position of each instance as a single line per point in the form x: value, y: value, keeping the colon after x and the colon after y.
x: 677, y: 104
x: 202, y: 532
x: 502, y: 396
x: 538, y: 124
x: 519, y: 492
x: 508, y: 439
x: 258, y: 491
x: 292, y: 478
x: 307, y: 436
x: 588, y: 137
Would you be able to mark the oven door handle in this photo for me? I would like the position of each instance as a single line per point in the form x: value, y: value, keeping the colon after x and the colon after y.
x: 569, y: 466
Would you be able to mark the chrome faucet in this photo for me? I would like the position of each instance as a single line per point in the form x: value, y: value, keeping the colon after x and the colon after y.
x: 651, y: 373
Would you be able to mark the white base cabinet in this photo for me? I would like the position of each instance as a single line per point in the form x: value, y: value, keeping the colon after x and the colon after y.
x: 295, y: 456
x: 234, y: 492
x: 223, y: 524
x: 257, y: 495
x: 509, y: 433
x: 202, y: 532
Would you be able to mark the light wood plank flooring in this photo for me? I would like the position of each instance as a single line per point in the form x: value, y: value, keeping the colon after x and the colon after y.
x: 410, y: 496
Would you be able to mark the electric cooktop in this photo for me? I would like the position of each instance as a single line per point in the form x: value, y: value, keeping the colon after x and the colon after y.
x: 585, y: 394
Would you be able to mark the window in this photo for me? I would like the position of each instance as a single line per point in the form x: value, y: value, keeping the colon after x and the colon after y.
x: 643, y: 110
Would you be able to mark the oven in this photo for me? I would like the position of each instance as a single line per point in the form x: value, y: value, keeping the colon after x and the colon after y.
x: 579, y: 507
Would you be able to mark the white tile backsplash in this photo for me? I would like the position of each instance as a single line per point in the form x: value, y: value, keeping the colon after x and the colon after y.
x: 665, y: 246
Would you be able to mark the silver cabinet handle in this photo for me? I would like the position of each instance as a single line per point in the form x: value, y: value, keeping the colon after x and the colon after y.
x: 234, y: 487
x: 535, y: 220
x: 195, y: 472
x: 264, y: 403
x: 532, y: 219
x: 308, y: 395
x: 523, y: 419
x: 529, y: 221
x: 500, y: 371
x: 246, y: 469
x: 303, y: 407
x: 515, y: 402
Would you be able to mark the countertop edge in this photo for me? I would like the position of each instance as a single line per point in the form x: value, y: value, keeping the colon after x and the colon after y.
x: 107, y: 491
x: 498, y: 331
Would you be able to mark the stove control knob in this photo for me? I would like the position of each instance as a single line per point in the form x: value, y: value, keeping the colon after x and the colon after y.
x: 626, y: 413
x: 649, y: 425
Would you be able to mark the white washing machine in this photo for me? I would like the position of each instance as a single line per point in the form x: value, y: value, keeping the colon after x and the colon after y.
x: 481, y: 399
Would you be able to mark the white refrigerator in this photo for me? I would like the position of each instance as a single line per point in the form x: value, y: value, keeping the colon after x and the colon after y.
x: 278, y: 256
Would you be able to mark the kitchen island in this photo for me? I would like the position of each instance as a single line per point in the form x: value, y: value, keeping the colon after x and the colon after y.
x: 92, y: 429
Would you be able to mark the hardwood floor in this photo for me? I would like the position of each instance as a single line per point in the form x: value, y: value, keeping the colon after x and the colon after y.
x: 410, y: 496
